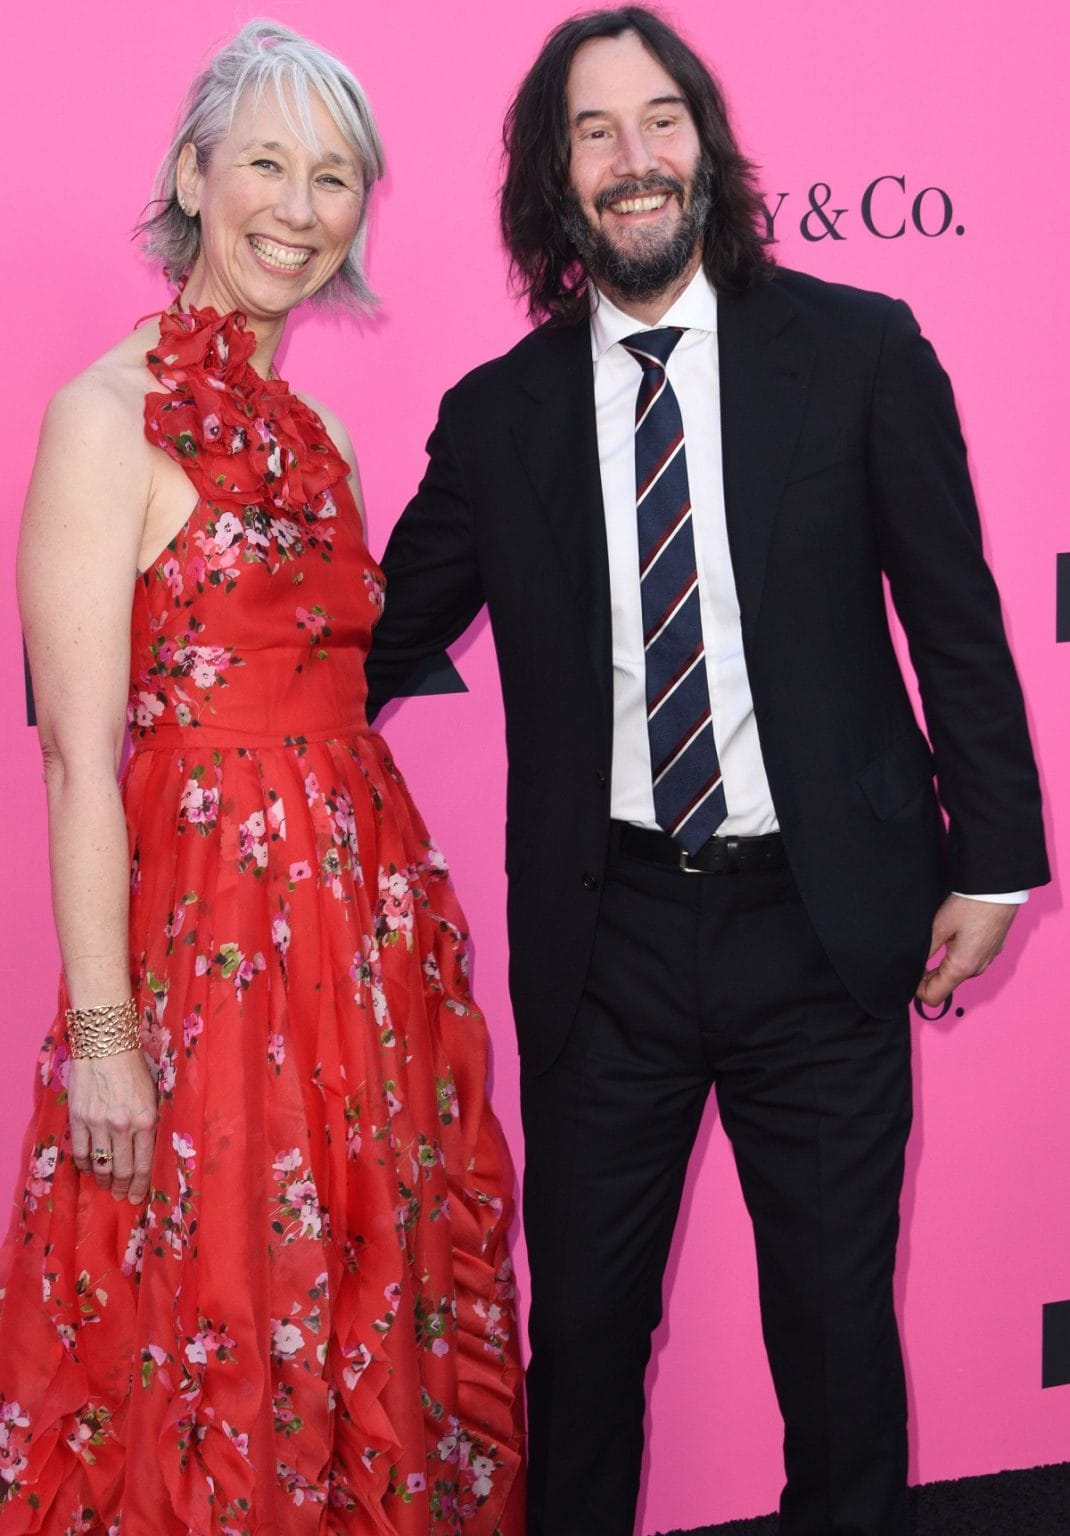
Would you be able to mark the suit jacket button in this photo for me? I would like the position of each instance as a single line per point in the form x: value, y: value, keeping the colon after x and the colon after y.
x: 589, y: 881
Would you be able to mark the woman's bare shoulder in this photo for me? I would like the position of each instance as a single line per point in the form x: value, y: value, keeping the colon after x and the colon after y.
x: 109, y: 394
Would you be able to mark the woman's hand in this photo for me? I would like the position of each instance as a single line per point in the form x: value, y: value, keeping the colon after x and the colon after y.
x: 112, y: 1104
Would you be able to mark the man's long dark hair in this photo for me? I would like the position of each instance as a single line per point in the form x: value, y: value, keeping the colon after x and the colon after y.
x: 543, y: 263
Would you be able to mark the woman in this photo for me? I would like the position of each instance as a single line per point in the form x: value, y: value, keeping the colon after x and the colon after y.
x: 257, y: 1280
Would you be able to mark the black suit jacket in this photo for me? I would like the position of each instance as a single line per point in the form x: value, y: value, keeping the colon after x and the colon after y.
x: 843, y: 465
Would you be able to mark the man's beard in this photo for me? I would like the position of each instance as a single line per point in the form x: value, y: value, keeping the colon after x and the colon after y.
x: 650, y: 267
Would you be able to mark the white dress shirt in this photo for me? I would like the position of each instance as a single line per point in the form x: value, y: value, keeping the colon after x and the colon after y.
x: 693, y: 372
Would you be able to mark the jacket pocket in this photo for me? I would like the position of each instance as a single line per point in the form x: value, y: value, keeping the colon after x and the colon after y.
x: 895, y: 778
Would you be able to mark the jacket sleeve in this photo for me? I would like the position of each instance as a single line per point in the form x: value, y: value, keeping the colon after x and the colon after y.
x: 947, y: 602
x: 433, y: 584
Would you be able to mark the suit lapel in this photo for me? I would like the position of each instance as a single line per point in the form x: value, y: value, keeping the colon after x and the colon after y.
x: 556, y: 439
x: 766, y: 358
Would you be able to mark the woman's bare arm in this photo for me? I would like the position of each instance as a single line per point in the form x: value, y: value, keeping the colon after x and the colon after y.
x: 77, y: 565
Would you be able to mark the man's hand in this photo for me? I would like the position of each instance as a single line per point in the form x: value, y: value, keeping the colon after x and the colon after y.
x: 973, y: 932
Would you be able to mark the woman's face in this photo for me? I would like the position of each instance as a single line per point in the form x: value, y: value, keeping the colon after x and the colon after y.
x: 277, y: 218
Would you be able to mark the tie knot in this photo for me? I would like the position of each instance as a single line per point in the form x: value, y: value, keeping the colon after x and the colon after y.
x: 652, y: 349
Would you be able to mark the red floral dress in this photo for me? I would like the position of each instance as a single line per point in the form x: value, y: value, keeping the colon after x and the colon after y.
x: 310, y: 1325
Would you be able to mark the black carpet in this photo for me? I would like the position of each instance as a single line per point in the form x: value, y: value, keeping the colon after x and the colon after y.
x: 1031, y: 1503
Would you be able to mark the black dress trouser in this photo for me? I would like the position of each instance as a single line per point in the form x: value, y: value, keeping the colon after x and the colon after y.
x: 700, y: 980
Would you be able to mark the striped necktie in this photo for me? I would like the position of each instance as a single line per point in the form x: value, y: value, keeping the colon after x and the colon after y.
x: 689, y: 800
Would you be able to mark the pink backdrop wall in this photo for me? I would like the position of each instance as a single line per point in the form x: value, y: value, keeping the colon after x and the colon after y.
x: 829, y: 93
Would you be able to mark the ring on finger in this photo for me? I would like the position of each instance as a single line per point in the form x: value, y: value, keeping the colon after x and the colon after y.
x: 102, y: 1156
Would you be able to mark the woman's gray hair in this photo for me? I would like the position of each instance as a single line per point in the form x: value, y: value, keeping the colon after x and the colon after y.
x: 262, y: 55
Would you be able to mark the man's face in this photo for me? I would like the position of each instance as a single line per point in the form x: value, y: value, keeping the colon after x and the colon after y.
x: 640, y: 196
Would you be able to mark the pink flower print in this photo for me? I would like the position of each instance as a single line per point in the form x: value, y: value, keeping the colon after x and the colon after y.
x: 312, y: 788
x: 286, y: 1162
x: 357, y: 1359
x: 247, y: 969
x: 276, y: 1051
x: 330, y: 870
x: 345, y: 823
x: 237, y: 966
x: 251, y: 844
x: 280, y: 932
x: 449, y: 1446
x: 434, y: 859
x: 284, y: 532
x: 395, y: 901
x: 173, y: 927
x: 199, y: 805
x: 301, y: 870
x: 171, y: 572
x: 240, y: 1442
x: 146, y: 709
x: 416, y: 1482
x: 315, y: 620
x: 325, y: 507
x: 285, y: 1339
x: 439, y: 1347
x: 202, y: 965
x: 54, y: 1065
x: 379, y: 1005
x: 195, y: 1352
x: 135, y: 1250
x: 256, y: 535
x: 227, y: 531
x: 42, y: 1170
x: 482, y: 1470
x: 376, y: 589
x: 167, y: 1074
x: 183, y: 1146
x: 211, y: 426
x: 202, y: 663
x: 276, y: 817
x: 192, y: 1025
x: 217, y: 1341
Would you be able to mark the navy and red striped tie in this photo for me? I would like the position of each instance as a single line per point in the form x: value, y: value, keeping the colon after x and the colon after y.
x: 689, y: 800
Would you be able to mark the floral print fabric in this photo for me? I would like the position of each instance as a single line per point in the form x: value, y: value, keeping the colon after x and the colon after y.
x: 310, y: 1326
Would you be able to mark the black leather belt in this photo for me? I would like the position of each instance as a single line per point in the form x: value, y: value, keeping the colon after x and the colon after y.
x: 718, y: 856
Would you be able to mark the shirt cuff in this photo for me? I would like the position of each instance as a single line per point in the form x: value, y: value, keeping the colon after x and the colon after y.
x: 1007, y: 898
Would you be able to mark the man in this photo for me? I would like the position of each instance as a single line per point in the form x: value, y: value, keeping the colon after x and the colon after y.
x: 726, y: 858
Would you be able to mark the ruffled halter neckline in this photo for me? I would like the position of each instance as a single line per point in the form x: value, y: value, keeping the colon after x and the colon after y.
x: 243, y: 439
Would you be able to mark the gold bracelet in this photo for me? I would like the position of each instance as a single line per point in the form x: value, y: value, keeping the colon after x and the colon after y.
x: 103, y: 1031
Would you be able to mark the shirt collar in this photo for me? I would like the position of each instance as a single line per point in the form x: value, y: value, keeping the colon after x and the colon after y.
x: 695, y: 309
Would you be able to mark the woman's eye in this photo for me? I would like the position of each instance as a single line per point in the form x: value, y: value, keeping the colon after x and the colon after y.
x: 270, y: 165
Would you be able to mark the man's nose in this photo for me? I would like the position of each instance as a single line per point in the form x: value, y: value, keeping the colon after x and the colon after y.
x: 634, y: 156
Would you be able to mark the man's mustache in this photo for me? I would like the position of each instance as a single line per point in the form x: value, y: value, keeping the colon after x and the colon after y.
x: 650, y: 186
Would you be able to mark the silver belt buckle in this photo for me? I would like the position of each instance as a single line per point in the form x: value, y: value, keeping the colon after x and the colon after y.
x: 685, y: 867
